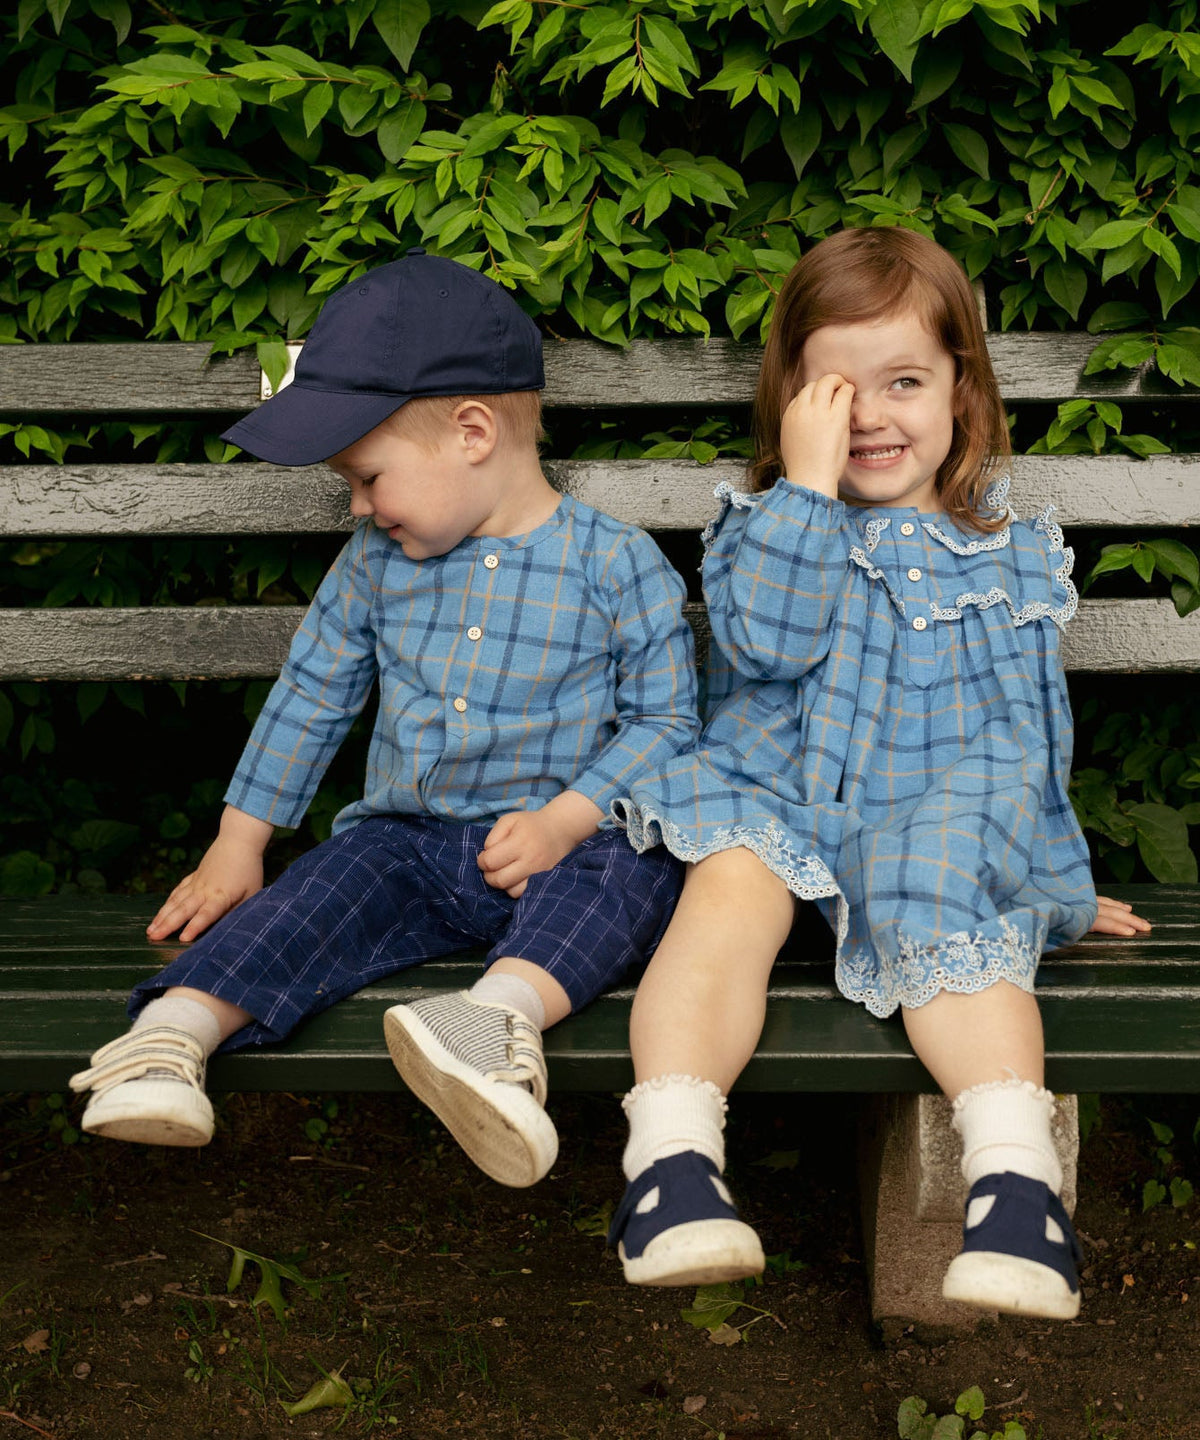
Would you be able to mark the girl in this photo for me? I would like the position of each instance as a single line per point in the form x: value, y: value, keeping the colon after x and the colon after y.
x: 892, y: 739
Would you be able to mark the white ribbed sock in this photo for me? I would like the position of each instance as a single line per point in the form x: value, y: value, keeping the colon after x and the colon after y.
x: 182, y: 1014
x: 510, y: 990
x: 1006, y: 1126
x: 669, y: 1114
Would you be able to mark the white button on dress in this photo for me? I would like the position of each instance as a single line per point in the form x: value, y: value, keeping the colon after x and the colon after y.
x: 491, y: 561
x: 474, y: 633
x: 918, y: 624
x: 460, y: 704
x: 914, y: 574
x: 907, y: 528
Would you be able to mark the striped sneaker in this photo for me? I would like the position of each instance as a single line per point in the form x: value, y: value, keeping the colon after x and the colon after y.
x: 480, y: 1069
x: 148, y: 1086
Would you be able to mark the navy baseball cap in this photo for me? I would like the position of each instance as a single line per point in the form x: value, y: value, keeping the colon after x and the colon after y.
x: 423, y: 325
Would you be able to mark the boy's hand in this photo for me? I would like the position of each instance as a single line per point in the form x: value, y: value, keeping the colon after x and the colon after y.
x: 526, y: 841
x: 231, y: 870
x: 1114, y: 917
x: 814, y: 437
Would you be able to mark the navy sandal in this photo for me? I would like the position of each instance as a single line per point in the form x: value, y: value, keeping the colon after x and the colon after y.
x: 676, y: 1225
x: 1008, y: 1262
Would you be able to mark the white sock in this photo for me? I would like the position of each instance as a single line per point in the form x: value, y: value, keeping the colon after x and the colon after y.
x: 670, y: 1114
x: 1005, y: 1125
x: 182, y: 1014
x: 510, y: 990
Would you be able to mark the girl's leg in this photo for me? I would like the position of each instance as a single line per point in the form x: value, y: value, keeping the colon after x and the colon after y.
x: 986, y: 1051
x: 696, y: 1019
x: 700, y: 1006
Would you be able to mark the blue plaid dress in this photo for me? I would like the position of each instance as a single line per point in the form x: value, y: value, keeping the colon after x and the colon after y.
x: 890, y: 734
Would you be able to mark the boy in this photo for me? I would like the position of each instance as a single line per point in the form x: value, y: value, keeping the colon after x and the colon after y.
x: 531, y: 658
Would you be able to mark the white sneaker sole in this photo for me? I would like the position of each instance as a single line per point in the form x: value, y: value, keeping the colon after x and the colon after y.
x: 992, y: 1280
x: 151, y: 1112
x: 700, y: 1252
x: 501, y: 1127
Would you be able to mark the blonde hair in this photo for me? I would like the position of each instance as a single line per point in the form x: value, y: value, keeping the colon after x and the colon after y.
x: 862, y: 275
x: 424, y: 419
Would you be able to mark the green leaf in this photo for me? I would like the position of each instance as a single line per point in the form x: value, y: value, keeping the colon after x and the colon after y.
x: 329, y: 1393
x: 24, y: 875
x: 400, y: 130
x: 713, y: 1305
x: 912, y: 1422
x: 801, y: 134
x: 1114, y: 234
x: 1153, y: 1193
x: 1066, y: 285
x: 895, y: 25
x: 316, y: 106
x: 1162, y: 842
x: 970, y: 1403
x: 969, y: 145
x: 400, y: 23
x: 1173, y: 558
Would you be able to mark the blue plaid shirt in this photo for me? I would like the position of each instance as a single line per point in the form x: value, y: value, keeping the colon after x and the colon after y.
x: 510, y: 669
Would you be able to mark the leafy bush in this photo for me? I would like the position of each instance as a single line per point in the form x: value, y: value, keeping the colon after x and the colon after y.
x: 646, y: 168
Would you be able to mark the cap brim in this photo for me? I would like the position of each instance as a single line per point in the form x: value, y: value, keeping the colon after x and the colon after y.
x: 301, y: 427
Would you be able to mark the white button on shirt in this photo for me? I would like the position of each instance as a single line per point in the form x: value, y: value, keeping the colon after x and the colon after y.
x: 474, y: 633
x: 918, y: 624
x: 491, y: 561
x: 460, y: 704
x: 914, y: 574
x: 907, y: 528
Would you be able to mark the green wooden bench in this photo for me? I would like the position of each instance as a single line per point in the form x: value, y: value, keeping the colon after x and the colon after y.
x: 1117, y: 1014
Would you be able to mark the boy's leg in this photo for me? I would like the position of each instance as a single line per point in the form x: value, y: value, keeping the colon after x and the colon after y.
x: 148, y: 1085
x: 354, y: 909
x: 986, y: 1051
x: 697, y: 1017
x: 476, y: 1057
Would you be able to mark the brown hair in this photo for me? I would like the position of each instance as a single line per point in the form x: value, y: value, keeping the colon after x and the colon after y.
x: 424, y: 418
x: 862, y: 275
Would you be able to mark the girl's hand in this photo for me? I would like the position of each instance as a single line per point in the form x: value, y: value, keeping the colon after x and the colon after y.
x: 1114, y: 917
x: 230, y: 871
x: 814, y: 437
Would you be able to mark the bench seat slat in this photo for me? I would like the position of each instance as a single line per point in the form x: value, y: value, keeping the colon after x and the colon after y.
x: 72, y: 501
x: 1102, y: 1002
x: 171, y: 379
x: 231, y: 641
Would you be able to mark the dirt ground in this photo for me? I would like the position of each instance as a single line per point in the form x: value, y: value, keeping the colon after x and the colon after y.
x: 439, y: 1304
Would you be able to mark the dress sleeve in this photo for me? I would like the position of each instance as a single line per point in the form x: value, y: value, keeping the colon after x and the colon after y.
x: 775, y: 570
x: 652, y: 647
x: 322, y: 687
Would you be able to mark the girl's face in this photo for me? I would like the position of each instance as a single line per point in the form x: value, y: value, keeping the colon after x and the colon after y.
x: 902, y: 411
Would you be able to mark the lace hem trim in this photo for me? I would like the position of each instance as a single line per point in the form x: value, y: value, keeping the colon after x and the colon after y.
x: 806, y: 876
x: 920, y: 971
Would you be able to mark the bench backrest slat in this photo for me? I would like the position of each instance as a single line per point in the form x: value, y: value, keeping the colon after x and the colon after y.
x: 112, y: 500
x: 224, y: 642
x: 178, y: 380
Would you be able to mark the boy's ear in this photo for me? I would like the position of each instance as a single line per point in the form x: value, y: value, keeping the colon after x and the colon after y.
x: 476, y: 428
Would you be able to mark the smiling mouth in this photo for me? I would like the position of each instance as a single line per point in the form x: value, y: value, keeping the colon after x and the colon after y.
x: 877, y: 452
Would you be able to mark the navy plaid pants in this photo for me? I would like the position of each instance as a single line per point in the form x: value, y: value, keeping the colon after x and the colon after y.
x: 392, y: 892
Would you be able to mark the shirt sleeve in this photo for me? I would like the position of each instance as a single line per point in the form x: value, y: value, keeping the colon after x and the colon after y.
x: 656, y: 673
x: 322, y: 687
x: 775, y: 568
